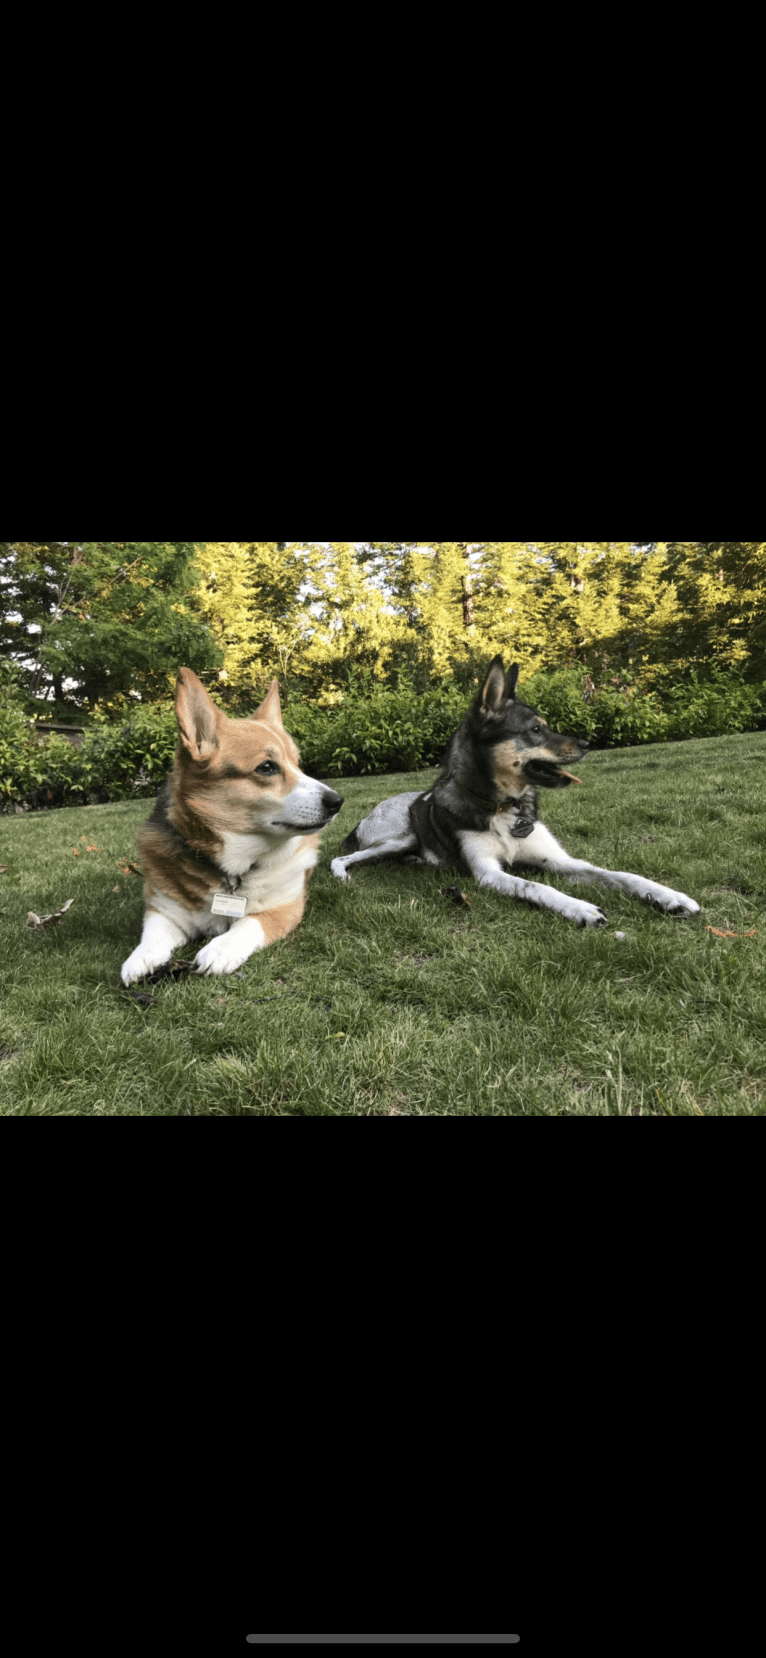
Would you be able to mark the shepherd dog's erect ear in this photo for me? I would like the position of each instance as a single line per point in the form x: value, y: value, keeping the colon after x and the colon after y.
x: 510, y: 682
x: 197, y: 717
x: 271, y: 707
x: 492, y: 693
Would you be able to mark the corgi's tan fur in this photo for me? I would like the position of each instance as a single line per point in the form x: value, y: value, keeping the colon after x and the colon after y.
x: 236, y: 817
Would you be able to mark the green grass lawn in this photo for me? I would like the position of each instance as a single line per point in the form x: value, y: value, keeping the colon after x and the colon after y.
x: 389, y: 1000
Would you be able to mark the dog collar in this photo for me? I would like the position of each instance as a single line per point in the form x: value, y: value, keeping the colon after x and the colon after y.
x: 232, y: 882
x: 489, y: 806
x: 237, y: 880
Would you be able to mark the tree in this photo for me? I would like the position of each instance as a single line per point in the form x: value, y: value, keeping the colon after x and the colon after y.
x: 355, y: 625
x: 722, y: 585
x: 99, y: 621
x: 256, y: 598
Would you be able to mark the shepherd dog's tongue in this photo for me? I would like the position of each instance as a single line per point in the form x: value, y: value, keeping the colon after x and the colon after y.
x: 549, y: 775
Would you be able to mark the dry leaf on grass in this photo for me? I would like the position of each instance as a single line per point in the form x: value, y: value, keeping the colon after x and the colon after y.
x: 37, y: 921
x: 716, y: 931
x: 3, y: 868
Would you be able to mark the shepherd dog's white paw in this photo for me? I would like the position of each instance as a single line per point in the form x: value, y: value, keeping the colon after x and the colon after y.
x: 676, y: 903
x: 584, y: 915
x: 337, y: 868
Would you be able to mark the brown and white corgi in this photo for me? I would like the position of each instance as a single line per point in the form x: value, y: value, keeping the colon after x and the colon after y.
x: 233, y: 838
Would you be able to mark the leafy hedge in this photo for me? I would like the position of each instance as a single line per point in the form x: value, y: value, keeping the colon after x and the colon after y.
x: 619, y: 714
x: 386, y: 731
x: 115, y: 762
x: 389, y: 730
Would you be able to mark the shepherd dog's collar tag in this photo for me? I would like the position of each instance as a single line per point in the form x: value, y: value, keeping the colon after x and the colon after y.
x: 522, y: 827
x: 225, y: 904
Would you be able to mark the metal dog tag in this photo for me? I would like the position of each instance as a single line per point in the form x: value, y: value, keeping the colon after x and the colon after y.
x: 522, y: 827
x: 224, y: 904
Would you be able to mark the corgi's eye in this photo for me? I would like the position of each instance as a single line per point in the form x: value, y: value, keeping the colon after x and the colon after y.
x: 267, y: 769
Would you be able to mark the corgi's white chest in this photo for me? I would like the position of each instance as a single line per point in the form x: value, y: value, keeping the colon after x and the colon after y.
x: 276, y: 877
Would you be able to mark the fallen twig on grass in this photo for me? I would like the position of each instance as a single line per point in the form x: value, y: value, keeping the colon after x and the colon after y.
x: 173, y: 969
x: 456, y: 895
x: 37, y: 921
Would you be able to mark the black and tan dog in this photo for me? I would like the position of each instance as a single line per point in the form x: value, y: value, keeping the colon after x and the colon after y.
x: 480, y: 817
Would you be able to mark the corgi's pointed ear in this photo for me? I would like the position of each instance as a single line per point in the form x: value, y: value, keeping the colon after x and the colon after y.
x: 492, y: 693
x: 510, y: 683
x: 271, y: 707
x: 197, y: 717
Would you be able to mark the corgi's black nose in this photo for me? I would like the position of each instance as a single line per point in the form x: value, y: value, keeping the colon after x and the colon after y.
x: 331, y: 801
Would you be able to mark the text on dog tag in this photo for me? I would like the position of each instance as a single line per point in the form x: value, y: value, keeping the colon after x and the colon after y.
x: 224, y: 904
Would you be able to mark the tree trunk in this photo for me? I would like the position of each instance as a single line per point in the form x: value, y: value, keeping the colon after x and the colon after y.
x: 467, y: 588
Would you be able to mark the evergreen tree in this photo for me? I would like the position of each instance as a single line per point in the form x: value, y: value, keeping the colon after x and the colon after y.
x: 109, y: 619
x: 355, y: 624
x: 722, y: 586
x: 257, y: 598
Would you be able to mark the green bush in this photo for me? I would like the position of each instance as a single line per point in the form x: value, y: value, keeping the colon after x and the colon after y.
x: 390, y: 730
x: 17, y: 750
x: 372, y: 732
x: 115, y: 762
x: 722, y: 705
x: 622, y: 714
x: 129, y: 759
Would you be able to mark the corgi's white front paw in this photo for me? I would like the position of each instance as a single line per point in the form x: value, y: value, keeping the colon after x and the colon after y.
x: 338, y: 869
x: 141, y: 963
x: 159, y: 938
x: 227, y: 953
